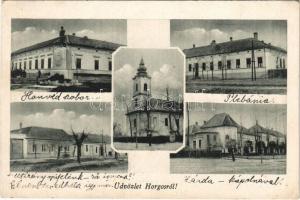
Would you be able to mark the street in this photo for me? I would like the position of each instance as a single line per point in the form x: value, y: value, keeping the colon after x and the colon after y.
x: 227, y: 166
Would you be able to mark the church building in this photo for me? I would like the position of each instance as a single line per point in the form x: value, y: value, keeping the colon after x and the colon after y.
x: 152, y: 116
x: 76, y: 58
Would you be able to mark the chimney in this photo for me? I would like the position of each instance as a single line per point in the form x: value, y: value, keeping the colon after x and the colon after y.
x: 73, y: 34
x: 194, y: 45
x: 213, y: 42
x: 85, y: 37
x: 230, y: 38
x: 196, y: 123
x: 255, y: 35
x: 62, y: 31
x: 21, y: 125
x: 204, y: 122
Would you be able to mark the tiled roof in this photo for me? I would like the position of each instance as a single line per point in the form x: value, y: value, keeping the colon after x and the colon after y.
x: 97, y: 138
x: 35, y: 132
x: 43, y: 133
x: 229, y: 47
x: 72, y: 41
x: 222, y: 119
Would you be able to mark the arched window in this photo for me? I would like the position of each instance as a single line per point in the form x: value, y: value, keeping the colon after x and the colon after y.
x: 227, y: 137
x: 145, y: 87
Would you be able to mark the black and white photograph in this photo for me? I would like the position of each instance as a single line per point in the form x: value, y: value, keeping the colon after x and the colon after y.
x: 148, y: 86
x: 233, y: 56
x: 233, y: 139
x: 63, y: 137
x: 64, y: 55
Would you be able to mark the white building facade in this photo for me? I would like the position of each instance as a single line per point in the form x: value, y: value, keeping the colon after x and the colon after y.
x: 67, y: 55
x: 236, y: 59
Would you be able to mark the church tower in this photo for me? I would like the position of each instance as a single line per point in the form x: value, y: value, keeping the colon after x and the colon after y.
x: 141, y: 83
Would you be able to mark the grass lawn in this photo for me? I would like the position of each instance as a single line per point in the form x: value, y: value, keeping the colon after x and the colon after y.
x: 70, y: 165
x: 260, y: 86
x: 227, y: 166
x: 145, y: 146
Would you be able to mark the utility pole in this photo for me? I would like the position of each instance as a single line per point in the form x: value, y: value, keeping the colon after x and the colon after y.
x: 188, y: 127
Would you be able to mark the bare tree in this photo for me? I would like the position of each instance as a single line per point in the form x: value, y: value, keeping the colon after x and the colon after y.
x: 79, y: 138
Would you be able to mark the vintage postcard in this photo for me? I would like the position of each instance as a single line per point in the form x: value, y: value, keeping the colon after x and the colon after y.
x: 173, y: 100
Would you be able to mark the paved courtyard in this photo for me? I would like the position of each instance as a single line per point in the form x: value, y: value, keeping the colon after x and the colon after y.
x: 227, y: 166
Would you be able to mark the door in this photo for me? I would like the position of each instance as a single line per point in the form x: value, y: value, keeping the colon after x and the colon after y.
x: 196, y: 70
x: 16, y: 148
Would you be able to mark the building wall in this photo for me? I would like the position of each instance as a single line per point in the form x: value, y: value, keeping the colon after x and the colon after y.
x: 268, y: 56
x: 63, y: 61
x: 157, y: 123
x: 94, y: 150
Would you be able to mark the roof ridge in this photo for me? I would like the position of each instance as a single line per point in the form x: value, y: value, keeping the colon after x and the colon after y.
x: 209, y: 45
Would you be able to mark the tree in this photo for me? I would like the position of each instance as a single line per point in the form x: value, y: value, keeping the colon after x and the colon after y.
x: 79, y: 138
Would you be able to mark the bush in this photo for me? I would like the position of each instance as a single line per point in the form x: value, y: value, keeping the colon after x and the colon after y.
x: 57, y: 77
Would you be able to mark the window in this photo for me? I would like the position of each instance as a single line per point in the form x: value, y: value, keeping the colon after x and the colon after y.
x: 259, y: 61
x: 52, y: 147
x: 194, y: 144
x: 30, y: 64
x: 166, y: 122
x: 199, y: 144
x: 215, y: 138
x: 96, y: 149
x: 42, y: 63
x: 208, y: 139
x: 248, y: 62
x: 283, y: 62
x: 280, y: 63
x: 43, y: 147
x: 49, y: 63
x: 134, y: 122
x: 36, y: 63
x: 78, y: 63
x: 237, y: 63
x: 227, y: 137
x: 190, y: 67
x: 145, y: 87
x: 86, y: 148
x: 20, y: 65
x: 228, y: 64
x: 25, y: 64
x: 96, y: 64
x: 136, y: 87
x: 34, y: 148
x: 109, y: 65
x: 203, y: 66
x: 154, y: 121
x: 16, y: 65
x: 211, y: 66
x: 219, y: 65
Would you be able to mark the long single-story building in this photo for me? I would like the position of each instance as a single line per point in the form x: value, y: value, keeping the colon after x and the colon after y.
x: 76, y: 58
x: 236, y: 59
x: 42, y: 142
x: 222, y: 132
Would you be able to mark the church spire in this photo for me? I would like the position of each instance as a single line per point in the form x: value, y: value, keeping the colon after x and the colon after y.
x: 142, y: 70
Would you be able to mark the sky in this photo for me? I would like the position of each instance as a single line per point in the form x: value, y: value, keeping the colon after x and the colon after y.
x: 165, y: 66
x: 269, y: 116
x: 185, y: 33
x: 91, y: 117
x: 27, y: 32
